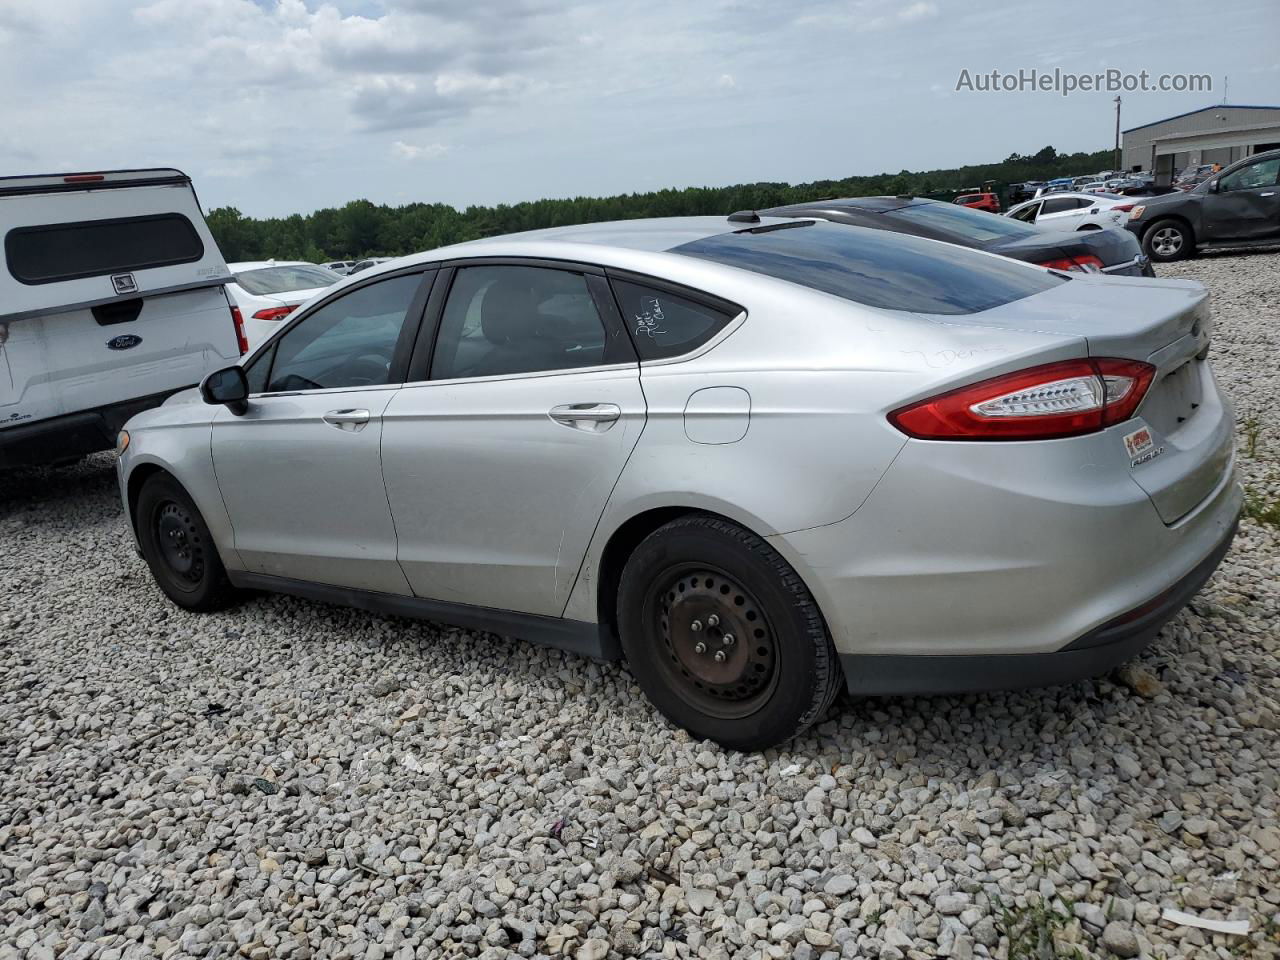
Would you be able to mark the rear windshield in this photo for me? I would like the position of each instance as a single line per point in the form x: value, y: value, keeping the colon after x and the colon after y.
x: 971, y: 225
x: 283, y: 279
x: 892, y: 271
x: 94, y: 248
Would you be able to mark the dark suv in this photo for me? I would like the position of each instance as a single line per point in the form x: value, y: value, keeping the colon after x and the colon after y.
x: 1239, y: 207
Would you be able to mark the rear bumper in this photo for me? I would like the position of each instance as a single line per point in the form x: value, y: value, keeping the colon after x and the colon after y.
x: 1093, y: 654
x: 73, y: 435
x: 970, y: 560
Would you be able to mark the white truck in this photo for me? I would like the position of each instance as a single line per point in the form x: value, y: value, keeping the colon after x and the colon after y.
x: 111, y: 299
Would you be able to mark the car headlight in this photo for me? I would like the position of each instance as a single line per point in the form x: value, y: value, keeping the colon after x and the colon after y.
x: 122, y: 442
x: 1136, y: 212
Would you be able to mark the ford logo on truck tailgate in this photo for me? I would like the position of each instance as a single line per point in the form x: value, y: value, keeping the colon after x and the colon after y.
x: 126, y: 341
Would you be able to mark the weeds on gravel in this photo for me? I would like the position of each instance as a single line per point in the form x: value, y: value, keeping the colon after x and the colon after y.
x: 1030, y: 931
x: 1252, y: 433
x: 1261, y: 509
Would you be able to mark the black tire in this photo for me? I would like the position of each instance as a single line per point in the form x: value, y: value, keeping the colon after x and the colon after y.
x: 178, y: 548
x: 1168, y: 240
x: 774, y: 681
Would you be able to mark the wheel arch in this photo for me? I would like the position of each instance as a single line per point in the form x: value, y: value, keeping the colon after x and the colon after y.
x: 138, y: 476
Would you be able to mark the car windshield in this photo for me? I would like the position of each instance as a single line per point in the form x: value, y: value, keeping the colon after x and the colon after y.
x: 891, y: 271
x: 971, y: 225
x: 282, y: 279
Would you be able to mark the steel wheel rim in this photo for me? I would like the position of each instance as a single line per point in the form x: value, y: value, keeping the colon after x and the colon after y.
x: 736, y: 669
x: 1166, y: 241
x: 180, y: 544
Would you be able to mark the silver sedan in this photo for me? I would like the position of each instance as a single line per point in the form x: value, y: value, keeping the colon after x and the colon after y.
x: 762, y: 460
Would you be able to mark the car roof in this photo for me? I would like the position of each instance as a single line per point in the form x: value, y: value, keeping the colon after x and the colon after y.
x: 264, y: 264
x: 869, y: 204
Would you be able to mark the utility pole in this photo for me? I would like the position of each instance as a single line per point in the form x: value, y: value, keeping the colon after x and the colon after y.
x: 1116, y: 160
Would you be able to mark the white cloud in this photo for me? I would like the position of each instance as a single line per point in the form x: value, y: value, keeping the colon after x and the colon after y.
x: 409, y: 151
x: 726, y: 81
x: 918, y: 11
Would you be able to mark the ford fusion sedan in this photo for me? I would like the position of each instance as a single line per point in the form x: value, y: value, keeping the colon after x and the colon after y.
x: 1091, y: 251
x: 761, y: 461
x: 268, y: 291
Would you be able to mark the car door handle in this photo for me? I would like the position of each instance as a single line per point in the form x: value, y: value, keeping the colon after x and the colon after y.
x: 350, y: 420
x: 586, y: 416
x: 1269, y: 193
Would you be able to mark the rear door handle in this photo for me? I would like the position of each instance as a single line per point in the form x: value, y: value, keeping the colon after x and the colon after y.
x: 349, y: 420
x: 1269, y: 193
x: 594, y: 417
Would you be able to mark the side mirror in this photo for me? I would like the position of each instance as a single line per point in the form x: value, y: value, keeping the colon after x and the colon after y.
x: 229, y: 387
x: 1213, y: 186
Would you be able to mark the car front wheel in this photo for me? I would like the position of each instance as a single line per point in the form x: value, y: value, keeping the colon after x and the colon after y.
x: 723, y: 636
x: 178, y: 547
x: 1167, y: 240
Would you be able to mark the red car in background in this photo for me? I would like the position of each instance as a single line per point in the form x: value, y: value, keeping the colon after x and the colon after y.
x: 979, y: 201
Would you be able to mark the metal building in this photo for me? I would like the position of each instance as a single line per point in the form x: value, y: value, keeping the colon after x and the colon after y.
x: 1218, y: 134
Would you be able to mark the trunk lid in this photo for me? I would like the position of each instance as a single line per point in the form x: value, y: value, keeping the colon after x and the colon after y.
x: 1188, y: 447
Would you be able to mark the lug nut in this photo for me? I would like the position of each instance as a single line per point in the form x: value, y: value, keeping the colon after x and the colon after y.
x: 696, y: 626
x: 700, y: 647
x: 727, y: 639
x: 713, y: 621
x: 719, y: 656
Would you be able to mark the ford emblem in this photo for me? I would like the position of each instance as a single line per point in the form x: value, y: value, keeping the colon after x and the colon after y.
x: 126, y: 341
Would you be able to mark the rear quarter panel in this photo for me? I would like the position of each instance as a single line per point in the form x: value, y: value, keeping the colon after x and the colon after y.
x: 821, y: 373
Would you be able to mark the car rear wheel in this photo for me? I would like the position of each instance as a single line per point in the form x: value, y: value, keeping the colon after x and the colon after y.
x: 1167, y: 240
x: 723, y: 636
x: 178, y: 548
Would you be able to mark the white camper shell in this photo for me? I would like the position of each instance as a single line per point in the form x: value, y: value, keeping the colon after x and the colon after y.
x: 111, y: 299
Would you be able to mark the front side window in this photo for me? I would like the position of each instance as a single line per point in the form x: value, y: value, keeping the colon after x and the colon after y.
x: 506, y: 320
x: 662, y: 324
x: 348, y: 342
x: 1027, y: 214
x: 892, y: 271
x: 96, y: 248
x: 1260, y: 174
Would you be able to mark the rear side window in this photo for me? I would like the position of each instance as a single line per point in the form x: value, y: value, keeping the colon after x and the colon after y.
x: 892, y: 271
x: 94, y: 248
x: 663, y: 324
x: 971, y: 225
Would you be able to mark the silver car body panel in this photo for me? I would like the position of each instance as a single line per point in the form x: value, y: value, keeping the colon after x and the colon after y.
x: 779, y: 423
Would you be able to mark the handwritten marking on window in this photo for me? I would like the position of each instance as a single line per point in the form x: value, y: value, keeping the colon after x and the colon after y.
x: 649, y: 320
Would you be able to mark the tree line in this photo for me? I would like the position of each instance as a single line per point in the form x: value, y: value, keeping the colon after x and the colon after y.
x: 364, y: 229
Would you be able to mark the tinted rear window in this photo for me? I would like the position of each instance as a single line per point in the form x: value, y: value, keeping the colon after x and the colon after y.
x: 972, y: 226
x: 94, y: 248
x: 891, y: 271
x: 283, y: 279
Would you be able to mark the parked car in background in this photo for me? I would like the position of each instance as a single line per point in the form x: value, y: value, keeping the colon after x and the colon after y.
x: 1074, y: 211
x: 267, y: 291
x: 111, y: 299
x: 1239, y: 207
x: 979, y: 201
x: 1190, y: 176
x: 555, y: 435
x: 1106, y: 251
x: 366, y: 263
x: 340, y: 267
x: 1023, y: 191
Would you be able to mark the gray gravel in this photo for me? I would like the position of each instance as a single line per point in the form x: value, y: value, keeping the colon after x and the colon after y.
x: 297, y: 780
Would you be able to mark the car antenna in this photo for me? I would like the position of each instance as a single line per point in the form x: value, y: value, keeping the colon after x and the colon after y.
x: 744, y: 216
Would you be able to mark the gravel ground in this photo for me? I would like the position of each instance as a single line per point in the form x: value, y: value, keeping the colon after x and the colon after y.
x: 296, y: 780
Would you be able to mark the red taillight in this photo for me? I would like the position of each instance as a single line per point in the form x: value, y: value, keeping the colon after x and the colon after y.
x: 274, y: 313
x: 241, y: 340
x: 1086, y: 263
x: 83, y: 178
x: 1123, y: 207
x: 1052, y: 400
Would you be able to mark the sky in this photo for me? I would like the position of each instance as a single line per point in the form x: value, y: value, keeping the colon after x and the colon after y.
x: 284, y: 106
